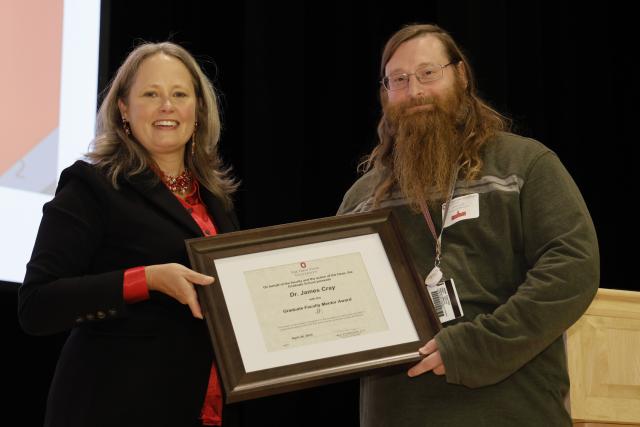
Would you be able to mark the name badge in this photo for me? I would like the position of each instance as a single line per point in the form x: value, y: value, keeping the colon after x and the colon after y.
x: 444, y: 297
x: 461, y: 208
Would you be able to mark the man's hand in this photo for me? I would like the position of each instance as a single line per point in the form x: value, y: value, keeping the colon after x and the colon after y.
x: 431, y: 362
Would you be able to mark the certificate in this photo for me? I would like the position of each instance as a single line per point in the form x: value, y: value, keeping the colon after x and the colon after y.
x: 312, y: 302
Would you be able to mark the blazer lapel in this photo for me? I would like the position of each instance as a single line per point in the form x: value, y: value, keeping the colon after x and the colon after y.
x: 153, y: 190
x: 224, y: 220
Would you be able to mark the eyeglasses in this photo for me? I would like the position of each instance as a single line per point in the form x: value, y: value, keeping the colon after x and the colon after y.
x: 424, y: 74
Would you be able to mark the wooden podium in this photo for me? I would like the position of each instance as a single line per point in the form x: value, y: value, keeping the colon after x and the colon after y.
x: 603, y: 351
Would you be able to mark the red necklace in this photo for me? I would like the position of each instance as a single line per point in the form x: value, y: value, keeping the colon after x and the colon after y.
x: 180, y: 184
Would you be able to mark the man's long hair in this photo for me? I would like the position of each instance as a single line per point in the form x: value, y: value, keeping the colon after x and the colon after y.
x: 479, y: 122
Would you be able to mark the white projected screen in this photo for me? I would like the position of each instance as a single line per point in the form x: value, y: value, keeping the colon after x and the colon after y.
x: 49, y: 80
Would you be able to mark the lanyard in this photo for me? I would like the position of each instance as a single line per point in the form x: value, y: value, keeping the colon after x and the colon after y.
x: 427, y: 217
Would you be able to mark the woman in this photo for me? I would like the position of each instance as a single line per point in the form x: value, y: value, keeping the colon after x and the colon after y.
x: 108, y: 262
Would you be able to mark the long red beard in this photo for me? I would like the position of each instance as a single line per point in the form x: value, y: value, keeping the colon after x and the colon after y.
x: 427, y: 146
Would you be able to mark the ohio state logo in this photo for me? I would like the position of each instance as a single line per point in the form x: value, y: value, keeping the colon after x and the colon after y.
x: 303, y: 264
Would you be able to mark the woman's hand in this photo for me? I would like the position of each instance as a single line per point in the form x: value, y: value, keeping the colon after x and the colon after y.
x: 431, y: 362
x: 178, y: 282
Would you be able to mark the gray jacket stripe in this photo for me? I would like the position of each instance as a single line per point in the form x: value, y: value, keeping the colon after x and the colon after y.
x: 486, y: 184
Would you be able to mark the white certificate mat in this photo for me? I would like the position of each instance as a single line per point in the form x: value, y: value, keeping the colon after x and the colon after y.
x: 313, y: 301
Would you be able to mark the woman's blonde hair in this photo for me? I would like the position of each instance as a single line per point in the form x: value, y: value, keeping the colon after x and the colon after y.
x: 120, y: 155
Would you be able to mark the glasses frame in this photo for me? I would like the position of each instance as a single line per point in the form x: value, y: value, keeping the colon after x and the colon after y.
x: 385, y: 80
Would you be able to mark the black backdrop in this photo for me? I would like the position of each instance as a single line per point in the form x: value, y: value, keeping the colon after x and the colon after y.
x: 298, y: 87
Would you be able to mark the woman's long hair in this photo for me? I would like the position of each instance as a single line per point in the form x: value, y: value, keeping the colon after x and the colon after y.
x: 120, y: 155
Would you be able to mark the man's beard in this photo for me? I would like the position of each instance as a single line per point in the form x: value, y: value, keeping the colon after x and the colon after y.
x: 426, y: 145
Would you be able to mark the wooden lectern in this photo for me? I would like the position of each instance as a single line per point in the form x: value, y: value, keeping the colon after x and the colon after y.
x: 603, y: 351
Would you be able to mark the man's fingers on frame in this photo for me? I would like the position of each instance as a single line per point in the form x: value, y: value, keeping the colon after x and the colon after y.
x: 417, y: 370
x: 425, y: 365
x: 429, y: 347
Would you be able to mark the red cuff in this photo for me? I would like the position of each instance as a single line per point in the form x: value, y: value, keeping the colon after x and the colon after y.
x: 135, y: 287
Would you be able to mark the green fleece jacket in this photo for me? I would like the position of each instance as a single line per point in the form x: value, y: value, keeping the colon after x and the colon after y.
x: 525, y: 269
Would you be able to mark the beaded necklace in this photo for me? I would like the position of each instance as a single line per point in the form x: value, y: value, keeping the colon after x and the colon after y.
x: 180, y: 184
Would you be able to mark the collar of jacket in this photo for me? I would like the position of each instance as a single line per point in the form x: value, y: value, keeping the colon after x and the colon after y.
x: 151, y: 188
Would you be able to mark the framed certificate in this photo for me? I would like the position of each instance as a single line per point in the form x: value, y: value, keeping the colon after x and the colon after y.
x: 311, y: 302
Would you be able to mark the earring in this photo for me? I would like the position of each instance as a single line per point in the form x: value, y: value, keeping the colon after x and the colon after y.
x: 125, y: 126
x: 193, y: 139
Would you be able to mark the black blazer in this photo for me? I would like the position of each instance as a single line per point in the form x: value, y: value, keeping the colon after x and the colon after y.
x: 143, y: 364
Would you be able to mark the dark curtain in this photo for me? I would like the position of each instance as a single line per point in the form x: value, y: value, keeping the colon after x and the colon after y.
x: 299, y: 89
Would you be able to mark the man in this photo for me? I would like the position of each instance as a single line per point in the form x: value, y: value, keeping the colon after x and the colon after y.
x: 517, y: 257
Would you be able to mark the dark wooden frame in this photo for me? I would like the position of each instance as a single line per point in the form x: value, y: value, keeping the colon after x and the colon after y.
x: 240, y: 385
